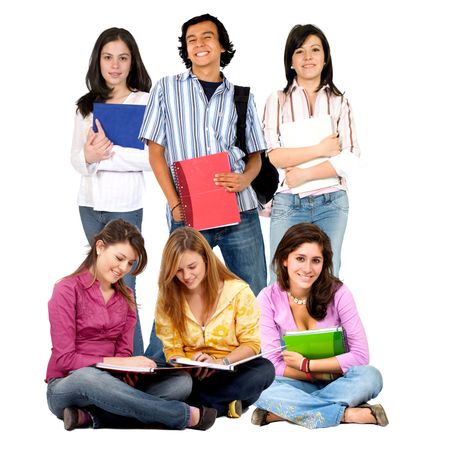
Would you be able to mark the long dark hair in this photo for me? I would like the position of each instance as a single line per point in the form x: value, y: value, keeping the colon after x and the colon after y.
x: 297, y: 36
x: 117, y: 231
x: 324, y: 288
x: 137, y: 80
x: 224, y: 39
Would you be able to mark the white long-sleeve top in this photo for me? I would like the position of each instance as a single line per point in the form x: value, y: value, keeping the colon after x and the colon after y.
x: 116, y: 184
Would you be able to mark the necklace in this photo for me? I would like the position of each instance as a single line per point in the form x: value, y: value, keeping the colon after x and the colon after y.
x: 298, y: 300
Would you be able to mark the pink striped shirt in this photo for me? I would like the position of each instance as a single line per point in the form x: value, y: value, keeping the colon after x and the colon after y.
x: 294, y: 105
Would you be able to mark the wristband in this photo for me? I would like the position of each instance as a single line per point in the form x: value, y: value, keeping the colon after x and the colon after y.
x: 226, y: 361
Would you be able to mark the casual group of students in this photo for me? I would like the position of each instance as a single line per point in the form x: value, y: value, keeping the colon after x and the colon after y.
x: 205, y: 310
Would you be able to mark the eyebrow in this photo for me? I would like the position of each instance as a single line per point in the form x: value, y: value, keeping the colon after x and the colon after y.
x: 201, y: 34
x: 120, y: 54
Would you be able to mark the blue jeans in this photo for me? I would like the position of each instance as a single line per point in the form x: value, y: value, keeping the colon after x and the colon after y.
x: 328, y: 211
x: 93, y: 222
x: 113, y: 403
x: 246, y: 384
x: 321, y: 404
x: 242, y: 248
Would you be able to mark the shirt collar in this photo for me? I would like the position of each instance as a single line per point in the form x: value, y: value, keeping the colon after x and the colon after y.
x: 87, y: 279
x: 190, y: 75
x: 295, y: 86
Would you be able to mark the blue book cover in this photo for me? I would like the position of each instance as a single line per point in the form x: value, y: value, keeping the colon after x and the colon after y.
x: 121, y: 123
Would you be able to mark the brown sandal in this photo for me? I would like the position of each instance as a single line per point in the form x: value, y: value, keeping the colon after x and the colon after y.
x: 378, y: 413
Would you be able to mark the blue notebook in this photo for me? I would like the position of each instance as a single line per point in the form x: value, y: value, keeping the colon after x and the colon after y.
x: 121, y: 123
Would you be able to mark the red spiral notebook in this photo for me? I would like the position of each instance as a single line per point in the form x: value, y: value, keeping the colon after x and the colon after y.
x: 204, y: 204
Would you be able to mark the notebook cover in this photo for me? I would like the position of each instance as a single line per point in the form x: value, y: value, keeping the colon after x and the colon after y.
x: 121, y: 123
x: 205, y: 205
x: 317, y: 344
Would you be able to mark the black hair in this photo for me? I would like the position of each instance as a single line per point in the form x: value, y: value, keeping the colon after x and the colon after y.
x: 224, y: 39
x: 137, y: 80
x: 297, y: 36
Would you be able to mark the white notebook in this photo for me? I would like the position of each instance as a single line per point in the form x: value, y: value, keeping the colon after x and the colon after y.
x: 308, y: 132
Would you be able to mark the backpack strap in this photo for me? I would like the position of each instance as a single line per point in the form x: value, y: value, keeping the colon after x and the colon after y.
x: 241, y: 94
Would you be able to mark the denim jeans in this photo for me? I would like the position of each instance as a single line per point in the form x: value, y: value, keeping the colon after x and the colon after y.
x: 93, y: 222
x: 246, y: 384
x: 328, y: 211
x: 320, y: 404
x: 113, y: 403
x: 242, y: 248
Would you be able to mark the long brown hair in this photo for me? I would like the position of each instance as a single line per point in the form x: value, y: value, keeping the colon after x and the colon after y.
x: 117, y: 231
x: 170, y: 296
x: 324, y: 288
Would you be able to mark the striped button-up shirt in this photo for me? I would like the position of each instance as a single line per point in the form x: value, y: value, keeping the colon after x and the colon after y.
x: 180, y: 118
x: 294, y: 105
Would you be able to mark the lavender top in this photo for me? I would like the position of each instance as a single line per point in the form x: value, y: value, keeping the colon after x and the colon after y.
x: 277, y: 318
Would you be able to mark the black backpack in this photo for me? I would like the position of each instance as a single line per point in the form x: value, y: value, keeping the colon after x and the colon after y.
x: 265, y: 183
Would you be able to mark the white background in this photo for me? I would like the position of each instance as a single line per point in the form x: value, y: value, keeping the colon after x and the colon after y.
x: 391, y: 59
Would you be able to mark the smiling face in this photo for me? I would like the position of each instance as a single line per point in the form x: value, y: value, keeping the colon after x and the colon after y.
x: 113, y: 262
x: 203, y: 46
x: 191, y: 270
x: 115, y: 63
x: 308, y: 61
x: 304, y: 266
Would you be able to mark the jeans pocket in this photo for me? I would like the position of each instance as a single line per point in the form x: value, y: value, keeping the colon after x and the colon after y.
x: 282, y: 207
x: 340, y: 201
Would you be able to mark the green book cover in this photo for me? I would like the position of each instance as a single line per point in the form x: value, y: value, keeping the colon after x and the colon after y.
x: 316, y: 344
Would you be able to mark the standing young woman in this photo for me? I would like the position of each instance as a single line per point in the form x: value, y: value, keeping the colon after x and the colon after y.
x: 92, y: 316
x: 206, y: 313
x: 310, y: 93
x: 318, y: 392
x: 112, y: 179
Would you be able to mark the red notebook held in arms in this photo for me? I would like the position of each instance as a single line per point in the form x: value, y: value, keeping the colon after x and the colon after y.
x: 205, y: 205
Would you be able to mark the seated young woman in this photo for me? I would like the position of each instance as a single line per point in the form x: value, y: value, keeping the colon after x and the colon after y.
x: 206, y: 313
x: 92, y: 318
x: 323, y: 392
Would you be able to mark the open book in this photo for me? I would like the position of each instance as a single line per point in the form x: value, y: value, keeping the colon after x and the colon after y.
x: 317, y: 344
x: 229, y: 367
x: 304, y: 133
x: 138, y: 370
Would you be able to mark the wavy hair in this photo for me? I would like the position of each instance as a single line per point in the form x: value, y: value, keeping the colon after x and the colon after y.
x: 137, y: 80
x: 170, y: 297
x: 297, y: 36
x: 224, y: 40
x: 324, y: 288
x: 117, y: 231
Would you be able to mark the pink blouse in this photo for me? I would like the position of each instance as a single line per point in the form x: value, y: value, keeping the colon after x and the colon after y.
x: 84, y: 328
x: 277, y: 318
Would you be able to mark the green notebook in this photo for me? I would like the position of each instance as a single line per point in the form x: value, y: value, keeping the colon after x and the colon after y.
x: 316, y: 344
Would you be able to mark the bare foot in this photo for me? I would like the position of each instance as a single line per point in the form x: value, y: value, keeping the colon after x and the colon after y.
x: 271, y: 417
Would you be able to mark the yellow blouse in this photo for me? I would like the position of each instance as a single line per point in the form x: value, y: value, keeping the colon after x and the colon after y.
x: 235, y: 322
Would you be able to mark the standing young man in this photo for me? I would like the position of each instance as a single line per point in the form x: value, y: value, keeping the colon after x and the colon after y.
x: 193, y: 114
